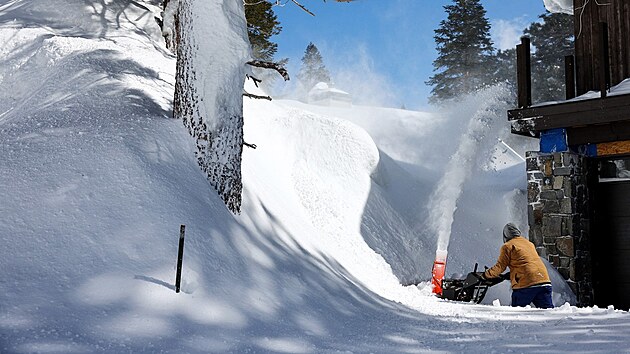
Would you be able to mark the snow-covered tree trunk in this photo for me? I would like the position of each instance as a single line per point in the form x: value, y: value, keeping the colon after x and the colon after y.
x: 212, y: 50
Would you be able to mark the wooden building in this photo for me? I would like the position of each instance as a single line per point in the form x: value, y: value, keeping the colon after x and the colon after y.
x: 579, y: 181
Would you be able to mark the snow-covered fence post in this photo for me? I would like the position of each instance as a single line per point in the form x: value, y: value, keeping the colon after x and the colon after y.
x: 180, y: 258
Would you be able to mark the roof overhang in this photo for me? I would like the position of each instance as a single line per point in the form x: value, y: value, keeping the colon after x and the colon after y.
x: 587, y: 120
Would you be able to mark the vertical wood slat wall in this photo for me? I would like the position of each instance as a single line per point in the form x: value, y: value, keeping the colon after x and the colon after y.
x: 587, y: 18
x: 625, y: 31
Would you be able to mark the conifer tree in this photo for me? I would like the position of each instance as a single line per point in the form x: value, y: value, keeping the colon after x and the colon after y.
x: 464, y: 51
x: 262, y: 23
x: 552, y: 39
x: 504, y: 71
x: 505, y: 66
x: 313, y: 69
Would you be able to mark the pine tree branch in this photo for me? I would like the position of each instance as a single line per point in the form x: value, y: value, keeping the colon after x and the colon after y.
x: 258, y: 97
x: 269, y: 65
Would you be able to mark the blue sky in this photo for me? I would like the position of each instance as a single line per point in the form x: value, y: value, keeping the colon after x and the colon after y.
x: 384, y: 49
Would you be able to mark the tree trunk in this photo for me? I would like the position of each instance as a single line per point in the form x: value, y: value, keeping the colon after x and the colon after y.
x: 212, y: 50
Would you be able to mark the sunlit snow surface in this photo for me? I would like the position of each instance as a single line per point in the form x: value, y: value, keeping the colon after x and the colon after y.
x: 96, y: 178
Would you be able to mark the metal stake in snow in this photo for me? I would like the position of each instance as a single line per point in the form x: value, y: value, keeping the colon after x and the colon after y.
x: 180, y: 258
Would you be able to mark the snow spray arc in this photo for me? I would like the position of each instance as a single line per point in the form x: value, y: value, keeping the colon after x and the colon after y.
x: 488, y: 106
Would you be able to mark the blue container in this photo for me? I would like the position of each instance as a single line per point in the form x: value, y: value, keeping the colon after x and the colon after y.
x: 553, y: 140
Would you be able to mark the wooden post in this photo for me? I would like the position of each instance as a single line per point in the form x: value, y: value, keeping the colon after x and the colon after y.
x: 524, y: 73
x: 604, y: 61
x: 569, y: 76
x: 180, y: 257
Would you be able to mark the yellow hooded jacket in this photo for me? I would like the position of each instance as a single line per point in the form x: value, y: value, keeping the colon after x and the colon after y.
x: 526, y: 268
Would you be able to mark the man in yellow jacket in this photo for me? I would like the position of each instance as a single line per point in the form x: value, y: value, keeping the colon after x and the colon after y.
x: 528, y: 275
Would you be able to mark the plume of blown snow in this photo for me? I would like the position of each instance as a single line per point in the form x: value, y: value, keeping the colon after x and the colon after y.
x: 478, y: 134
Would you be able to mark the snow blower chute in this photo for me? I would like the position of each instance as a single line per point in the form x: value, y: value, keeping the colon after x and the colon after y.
x: 437, y: 273
x: 472, y: 288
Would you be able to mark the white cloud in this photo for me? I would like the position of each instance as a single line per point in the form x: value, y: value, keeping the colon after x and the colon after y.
x: 507, y: 33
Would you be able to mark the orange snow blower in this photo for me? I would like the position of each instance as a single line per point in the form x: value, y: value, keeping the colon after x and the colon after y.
x: 472, y: 288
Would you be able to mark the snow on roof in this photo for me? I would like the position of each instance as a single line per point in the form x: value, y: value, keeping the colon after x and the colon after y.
x: 324, y: 87
x: 321, y: 86
x: 622, y: 88
x: 559, y: 6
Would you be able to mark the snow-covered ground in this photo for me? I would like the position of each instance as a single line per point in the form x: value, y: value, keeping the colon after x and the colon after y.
x: 96, y: 179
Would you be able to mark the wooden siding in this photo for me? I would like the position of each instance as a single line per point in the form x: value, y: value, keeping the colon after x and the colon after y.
x: 588, y: 15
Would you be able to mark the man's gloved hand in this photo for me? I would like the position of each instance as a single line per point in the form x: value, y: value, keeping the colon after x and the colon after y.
x: 505, y: 276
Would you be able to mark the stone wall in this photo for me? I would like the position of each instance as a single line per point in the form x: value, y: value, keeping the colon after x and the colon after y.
x: 559, y: 216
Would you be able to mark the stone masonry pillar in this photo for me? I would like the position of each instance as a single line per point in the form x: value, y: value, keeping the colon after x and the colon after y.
x: 559, y: 216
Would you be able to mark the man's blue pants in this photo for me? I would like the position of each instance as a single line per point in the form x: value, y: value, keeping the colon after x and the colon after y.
x: 540, y: 296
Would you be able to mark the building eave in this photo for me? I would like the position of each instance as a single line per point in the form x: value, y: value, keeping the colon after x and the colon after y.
x: 576, y: 115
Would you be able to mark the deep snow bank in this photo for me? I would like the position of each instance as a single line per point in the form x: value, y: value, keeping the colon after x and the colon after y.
x: 328, y: 168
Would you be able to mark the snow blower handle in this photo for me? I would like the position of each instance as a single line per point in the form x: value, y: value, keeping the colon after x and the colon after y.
x: 477, y: 274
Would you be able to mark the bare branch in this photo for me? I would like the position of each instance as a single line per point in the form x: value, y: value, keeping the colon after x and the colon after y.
x: 255, y: 80
x: 303, y: 8
x: 258, y: 97
x: 278, y: 3
x: 253, y: 146
x: 269, y: 65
